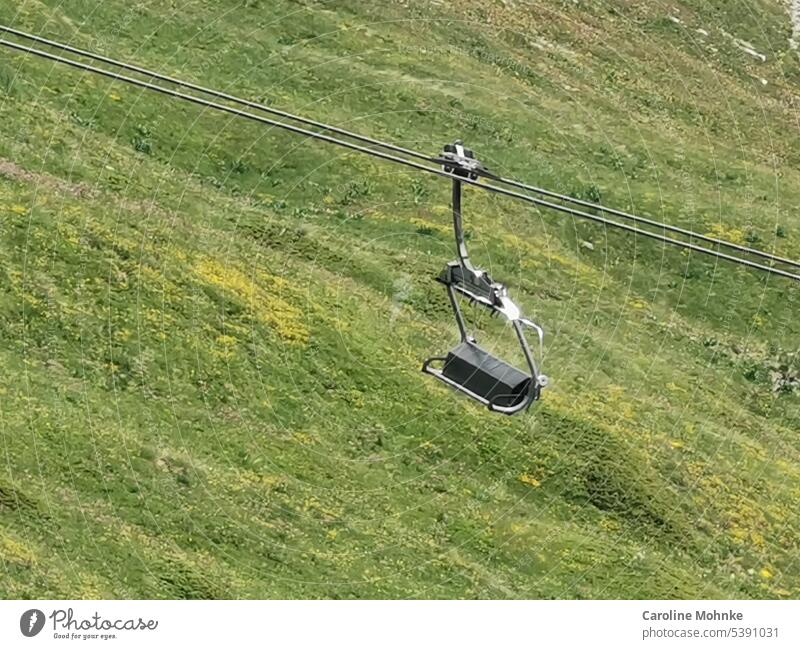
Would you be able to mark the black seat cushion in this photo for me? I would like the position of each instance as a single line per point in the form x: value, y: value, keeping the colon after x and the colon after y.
x: 487, y: 376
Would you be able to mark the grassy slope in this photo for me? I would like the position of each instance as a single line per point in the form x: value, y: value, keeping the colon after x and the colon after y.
x: 212, y: 332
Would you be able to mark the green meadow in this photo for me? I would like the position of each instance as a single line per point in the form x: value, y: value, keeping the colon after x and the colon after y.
x: 212, y: 330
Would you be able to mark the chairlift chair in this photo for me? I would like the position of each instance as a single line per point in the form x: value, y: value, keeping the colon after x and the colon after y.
x: 468, y: 367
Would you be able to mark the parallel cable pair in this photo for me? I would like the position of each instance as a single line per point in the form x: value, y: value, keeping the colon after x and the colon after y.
x: 401, y: 155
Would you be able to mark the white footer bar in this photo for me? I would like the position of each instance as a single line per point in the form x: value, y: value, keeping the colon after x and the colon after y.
x: 385, y: 625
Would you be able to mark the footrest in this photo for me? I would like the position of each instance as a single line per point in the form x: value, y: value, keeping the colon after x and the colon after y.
x: 486, y: 376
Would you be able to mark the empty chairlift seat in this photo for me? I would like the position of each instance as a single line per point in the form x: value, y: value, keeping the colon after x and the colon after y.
x: 488, y: 377
x: 469, y: 368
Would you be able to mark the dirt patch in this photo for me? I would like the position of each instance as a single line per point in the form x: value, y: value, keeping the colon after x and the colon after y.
x: 13, y: 171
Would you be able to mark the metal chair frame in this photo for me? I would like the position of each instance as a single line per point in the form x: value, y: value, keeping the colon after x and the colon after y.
x: 461, y: 277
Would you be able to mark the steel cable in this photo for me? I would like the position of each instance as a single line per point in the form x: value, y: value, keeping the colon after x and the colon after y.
x: 488, y: 186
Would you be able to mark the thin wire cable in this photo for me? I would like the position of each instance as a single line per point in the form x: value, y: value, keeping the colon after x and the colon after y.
x: 397, y: 149
x: 392, y: 158
x: 216, y: 93
x: 640, y: 219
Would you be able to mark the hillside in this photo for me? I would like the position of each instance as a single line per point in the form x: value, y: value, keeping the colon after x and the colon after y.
x: 212, y: 331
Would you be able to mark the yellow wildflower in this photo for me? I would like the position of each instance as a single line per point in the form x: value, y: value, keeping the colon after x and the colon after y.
x: 528, y: 479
